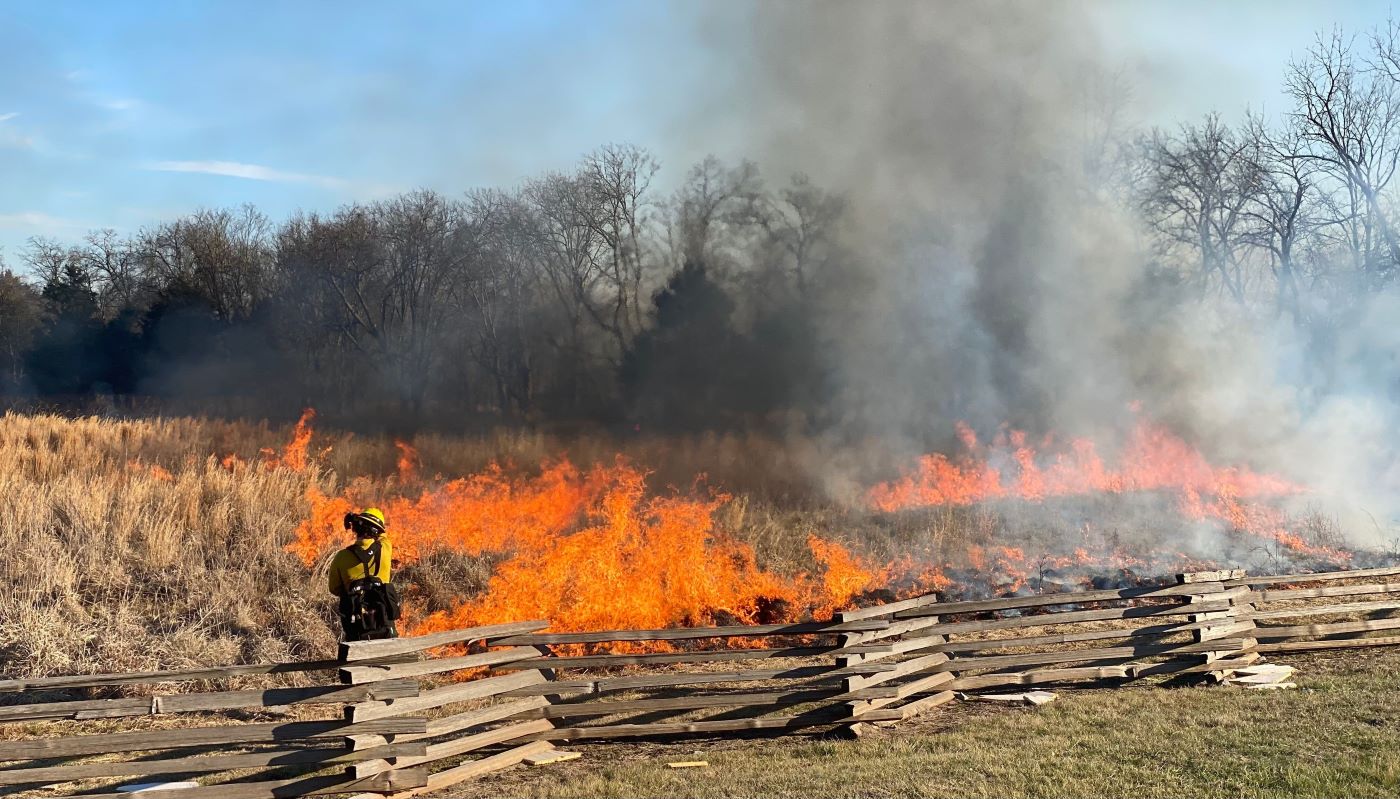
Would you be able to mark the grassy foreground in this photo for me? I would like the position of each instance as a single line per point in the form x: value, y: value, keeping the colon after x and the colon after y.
x: 1338, y: 735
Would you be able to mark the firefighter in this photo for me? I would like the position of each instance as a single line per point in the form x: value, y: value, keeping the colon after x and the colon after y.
x: 359, y: 578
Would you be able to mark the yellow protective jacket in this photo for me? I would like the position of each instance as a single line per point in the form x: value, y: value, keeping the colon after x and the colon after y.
x: 346, y: 568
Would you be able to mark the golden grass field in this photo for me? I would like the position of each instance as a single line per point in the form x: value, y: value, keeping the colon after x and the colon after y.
x: 134, y: 545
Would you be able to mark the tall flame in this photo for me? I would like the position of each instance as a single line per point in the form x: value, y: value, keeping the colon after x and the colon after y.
x: 294, y: 456
x: 588, y: 549
x: 408, y: 460
x: 594, y: 548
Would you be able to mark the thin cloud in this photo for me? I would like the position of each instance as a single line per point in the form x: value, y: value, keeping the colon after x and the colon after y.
x: 9, y: 137
x: 37, y: 220
x: 234, y: 169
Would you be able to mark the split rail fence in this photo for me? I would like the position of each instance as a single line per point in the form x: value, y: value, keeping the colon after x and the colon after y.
x: 414, y: 715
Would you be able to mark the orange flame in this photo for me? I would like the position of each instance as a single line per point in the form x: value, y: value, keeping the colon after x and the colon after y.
x: 408, y: 461
x: 294, y: 455
x: 155, y: 470
x: 588, y: 550
x: 1152, y: 459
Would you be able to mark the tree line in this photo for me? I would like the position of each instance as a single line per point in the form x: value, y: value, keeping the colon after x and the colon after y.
x: 590, y: 296
x: 578, y: 296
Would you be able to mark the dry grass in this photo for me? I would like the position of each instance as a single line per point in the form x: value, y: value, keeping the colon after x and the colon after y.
x: 131, y: 546
x: 128, y: 544
x: 112, y: 565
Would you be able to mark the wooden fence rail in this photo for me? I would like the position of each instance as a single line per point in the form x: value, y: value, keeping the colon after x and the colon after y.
x: 398, y: 725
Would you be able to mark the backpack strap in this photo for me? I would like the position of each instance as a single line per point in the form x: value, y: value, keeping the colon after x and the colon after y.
x: 367, y: 556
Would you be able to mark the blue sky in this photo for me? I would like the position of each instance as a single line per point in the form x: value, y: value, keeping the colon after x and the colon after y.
x: 120, y: 114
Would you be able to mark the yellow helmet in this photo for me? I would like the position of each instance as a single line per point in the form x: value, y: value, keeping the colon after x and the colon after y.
x: 374, y: 516
x: 368, y: 523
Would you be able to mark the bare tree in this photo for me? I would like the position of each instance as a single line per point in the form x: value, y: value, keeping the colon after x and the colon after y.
x: 705, y: 211
x: 1348, y: 113
x: 1284, y: 211
x: 387, y: 277
x: 506, y: 298
x: 50, y: 260
x: 801, y: 220
x: 224, y: 258
x: 1197, y: 190
x: 117, y: 265
x: 615, y: 180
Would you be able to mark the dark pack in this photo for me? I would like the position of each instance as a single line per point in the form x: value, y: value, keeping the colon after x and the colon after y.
x: 371, y: 606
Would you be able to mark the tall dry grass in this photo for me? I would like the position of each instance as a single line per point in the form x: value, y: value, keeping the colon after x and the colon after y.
x: 131, y: 545
x: 127, y: 546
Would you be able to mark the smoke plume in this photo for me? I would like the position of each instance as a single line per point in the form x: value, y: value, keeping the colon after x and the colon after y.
x: 997, y: 275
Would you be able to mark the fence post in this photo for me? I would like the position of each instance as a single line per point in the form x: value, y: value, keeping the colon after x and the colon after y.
x: 1234, y: 620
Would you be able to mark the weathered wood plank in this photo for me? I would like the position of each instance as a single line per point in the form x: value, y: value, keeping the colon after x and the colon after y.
x: 180, y: 675
x: 901, y: 669
x: 459, y: 722
x: 191, y: 703
x: 1051, y: 639
x: 889, y: 694
x: 446, y: 695
x: 453, y: 748
x: 1325, y: 591
x: 454, y: 776
x: 197, y: 765
x: 351, y: 651
x: 357, y: 675
x: 773, y: 699
x: 964, y: 664
x: 1348, y: 574
x: 812, y: 673
x: 1067, y: 598
x: 1039, y: 676
x: 1071, y: 617
x: 1193, y: 665
x: 909, y: 710
x: 1111, y: 672
x: 175, y: 675
x: 690, y: 633
x: 812, y: 719
x: 1219, y: 575
x: 401, y: 779
x: 676, y: 679
x: 143, y: 740
x: 1309, y: 630
x: 887, y: 609
x: 873, y: 651
x: 1344, y: 643
x: 606, y: 661
x: 897, y: 628
x: 1324, y: 610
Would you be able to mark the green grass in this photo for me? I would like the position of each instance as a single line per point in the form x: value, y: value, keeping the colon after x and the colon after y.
x: 1338, y: 734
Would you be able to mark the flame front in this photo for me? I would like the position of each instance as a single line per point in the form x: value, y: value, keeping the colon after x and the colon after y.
x: 589, y: 550
x: 594, y: 548
x: 1152, y: 459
